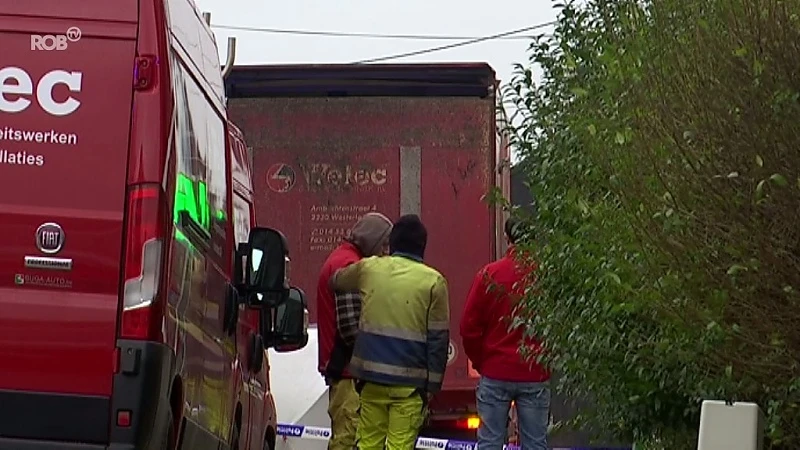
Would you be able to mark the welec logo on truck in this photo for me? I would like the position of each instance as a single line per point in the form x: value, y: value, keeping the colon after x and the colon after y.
x: 16, y: 85
x: 329, y: 175
x: 281, y: 177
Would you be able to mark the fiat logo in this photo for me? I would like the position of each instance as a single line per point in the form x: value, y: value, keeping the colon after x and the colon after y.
x: 50, y: 238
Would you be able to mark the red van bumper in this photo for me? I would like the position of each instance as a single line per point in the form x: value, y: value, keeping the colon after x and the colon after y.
x: 48, y: 421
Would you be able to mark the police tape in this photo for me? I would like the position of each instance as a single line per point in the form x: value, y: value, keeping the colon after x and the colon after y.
x: 423, y: 443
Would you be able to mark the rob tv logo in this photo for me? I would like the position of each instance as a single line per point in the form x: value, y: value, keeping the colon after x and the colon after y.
x: 49, y: 42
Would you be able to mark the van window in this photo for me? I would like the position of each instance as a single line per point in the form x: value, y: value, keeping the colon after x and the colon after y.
x: 242, y: 218
x: 201, y: 167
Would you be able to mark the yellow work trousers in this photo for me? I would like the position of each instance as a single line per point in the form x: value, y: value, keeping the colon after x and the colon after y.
x: 343, y: 410
x: 390, y: 418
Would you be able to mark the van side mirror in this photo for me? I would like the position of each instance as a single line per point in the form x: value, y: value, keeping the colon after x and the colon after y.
x: 291, y: 323
x: 265, y: 255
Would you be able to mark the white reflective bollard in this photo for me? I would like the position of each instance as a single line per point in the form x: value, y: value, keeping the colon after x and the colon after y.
x: 737, y: 426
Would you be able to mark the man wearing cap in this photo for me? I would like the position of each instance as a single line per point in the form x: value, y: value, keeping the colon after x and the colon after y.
x: 493, y: 348
x: 338, y: 316
x: 401, y: 349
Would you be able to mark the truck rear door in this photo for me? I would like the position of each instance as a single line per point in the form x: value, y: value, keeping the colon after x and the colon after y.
x: 66, y: 79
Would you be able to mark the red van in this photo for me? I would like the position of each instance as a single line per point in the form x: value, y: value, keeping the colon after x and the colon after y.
x: 136, y: 295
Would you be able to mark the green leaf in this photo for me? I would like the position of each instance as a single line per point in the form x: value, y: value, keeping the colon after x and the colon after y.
x: 620, y: 138
x: 570, y: 61
x: 614, y: 277
x: 760, y: 190
x: 779, y: 179
x: 593, y: 131
x: 579, y: 92
x: 758, y: 67
x: 735, y: 269
x: 759, y: 161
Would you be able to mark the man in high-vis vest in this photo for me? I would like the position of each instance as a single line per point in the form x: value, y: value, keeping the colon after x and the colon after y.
x: 401, y: 349
x: 338, y: 316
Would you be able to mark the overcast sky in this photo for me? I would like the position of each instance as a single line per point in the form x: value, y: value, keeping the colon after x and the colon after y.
x: 425, y: 17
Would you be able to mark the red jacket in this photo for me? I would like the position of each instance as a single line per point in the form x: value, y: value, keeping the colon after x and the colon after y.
x: 493, y: 350
x: 342, y: 256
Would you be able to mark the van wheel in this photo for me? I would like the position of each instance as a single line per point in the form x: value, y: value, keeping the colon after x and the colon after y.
x: 169, y: 436
x: 266, y: 445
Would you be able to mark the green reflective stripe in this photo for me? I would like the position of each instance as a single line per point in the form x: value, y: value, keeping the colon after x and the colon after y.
x: 435, y: 377
x: 388, y: 369
x: 438, y: 325
x: 394, y: 332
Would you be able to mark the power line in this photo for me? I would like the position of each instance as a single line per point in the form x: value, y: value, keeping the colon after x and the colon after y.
x: 457, y: 44
x: 420, y: 37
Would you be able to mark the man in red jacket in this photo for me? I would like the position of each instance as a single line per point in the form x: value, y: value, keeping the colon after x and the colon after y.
x: 338, y: 316
x: 494, y: 352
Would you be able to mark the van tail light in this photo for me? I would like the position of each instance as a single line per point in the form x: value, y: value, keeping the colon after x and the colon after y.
x: 142, y: 314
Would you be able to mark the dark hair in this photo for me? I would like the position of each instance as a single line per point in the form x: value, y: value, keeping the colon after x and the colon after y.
x: 515, y: 229
x: 409, y: 235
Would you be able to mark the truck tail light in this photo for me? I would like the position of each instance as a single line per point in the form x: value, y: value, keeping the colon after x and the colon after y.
x: 141, y: 312
x: 469, y: 423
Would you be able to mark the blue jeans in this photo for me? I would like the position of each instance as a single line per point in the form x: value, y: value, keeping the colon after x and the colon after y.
x: 532, y: 401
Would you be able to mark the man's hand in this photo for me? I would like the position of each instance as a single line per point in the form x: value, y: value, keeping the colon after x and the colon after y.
x: 347, y: 278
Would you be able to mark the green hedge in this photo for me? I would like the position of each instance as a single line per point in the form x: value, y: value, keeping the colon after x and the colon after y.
x: 662, y: 147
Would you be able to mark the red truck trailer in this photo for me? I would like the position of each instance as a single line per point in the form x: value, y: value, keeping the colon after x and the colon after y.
x: 332, y: 142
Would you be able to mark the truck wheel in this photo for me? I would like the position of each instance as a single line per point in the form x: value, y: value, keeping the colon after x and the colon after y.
x: 266, y: 445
